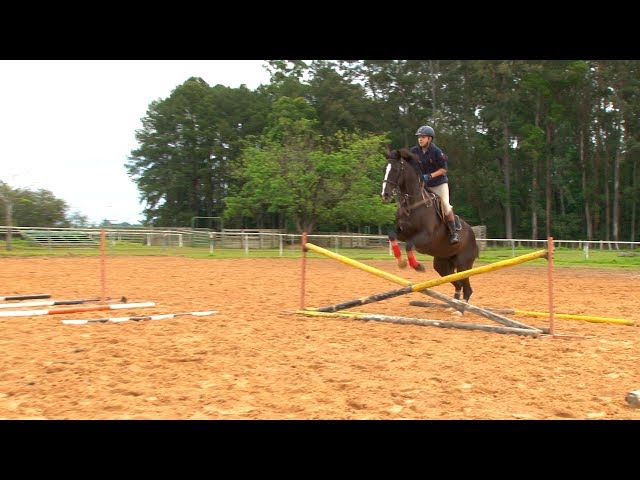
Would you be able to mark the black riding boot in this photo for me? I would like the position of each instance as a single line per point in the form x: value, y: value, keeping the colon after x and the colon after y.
x: 453, y: 237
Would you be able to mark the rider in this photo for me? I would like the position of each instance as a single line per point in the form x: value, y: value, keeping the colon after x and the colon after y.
x: 434, y: 173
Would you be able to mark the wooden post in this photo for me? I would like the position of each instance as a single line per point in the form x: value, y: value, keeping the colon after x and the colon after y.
x: 304, y: 266
x: 550, y: 283
x: 103, y: 268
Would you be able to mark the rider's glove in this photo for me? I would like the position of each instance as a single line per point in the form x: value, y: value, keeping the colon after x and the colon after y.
x: 426, y: 177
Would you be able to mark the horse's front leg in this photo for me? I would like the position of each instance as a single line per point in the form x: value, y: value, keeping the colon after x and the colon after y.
x: 393, y: 240
x: 411, y: 255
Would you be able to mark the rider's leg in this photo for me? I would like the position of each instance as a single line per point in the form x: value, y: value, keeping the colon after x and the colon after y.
x: 443, y: 193
x: 451, y: 223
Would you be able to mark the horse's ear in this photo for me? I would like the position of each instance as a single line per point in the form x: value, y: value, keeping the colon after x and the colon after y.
x: 392, y: 154
x: 408, y: 154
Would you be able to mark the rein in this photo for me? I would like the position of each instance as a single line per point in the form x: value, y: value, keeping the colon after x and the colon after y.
x: 427, y: 198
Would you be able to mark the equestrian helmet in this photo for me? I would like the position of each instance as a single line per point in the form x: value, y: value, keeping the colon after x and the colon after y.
x: 426, y: 130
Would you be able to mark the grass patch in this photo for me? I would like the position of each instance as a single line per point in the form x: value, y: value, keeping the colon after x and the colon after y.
x: 566, y: 257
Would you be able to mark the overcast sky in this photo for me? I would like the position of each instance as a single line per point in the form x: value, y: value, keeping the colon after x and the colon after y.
x: 68, y: 126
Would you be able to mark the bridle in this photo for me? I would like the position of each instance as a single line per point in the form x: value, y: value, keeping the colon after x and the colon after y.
x: 426, y: 198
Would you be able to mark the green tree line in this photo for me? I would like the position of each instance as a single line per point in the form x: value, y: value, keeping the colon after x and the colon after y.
x: 23, y: 207
x: 536, y: 148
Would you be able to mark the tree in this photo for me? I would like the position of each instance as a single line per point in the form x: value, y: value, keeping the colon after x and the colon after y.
x: 402, y: 92
x: 39, y: 208
x: 36, y: 208
x: 187, y: 144
x: 76, y: 219
x: 293, y: 171
x: 340, y: 104
x: 528, y: 142
x: 7, y: 197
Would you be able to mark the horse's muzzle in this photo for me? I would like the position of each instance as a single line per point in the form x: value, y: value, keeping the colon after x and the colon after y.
x: 385, y: 197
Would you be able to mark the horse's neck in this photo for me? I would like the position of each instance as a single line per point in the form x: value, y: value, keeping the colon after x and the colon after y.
x: 412, y: 187
x: 415, y: 192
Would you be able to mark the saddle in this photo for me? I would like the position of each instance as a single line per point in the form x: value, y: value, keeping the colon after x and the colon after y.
x: 437, y: 202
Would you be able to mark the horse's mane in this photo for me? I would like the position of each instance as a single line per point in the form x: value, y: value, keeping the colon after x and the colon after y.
x: 411, y: 158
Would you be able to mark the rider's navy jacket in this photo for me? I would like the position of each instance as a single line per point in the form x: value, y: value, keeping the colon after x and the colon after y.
x: 434, y: 159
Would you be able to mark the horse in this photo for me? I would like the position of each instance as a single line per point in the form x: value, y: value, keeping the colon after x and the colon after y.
x: 420, y: 223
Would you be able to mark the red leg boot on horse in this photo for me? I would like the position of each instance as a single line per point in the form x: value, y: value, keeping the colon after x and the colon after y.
x: 393, y: 239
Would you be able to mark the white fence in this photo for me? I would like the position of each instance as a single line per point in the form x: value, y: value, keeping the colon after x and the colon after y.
x: 256, y: 239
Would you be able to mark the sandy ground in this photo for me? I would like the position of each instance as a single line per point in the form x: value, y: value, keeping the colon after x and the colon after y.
x: 253, y: 360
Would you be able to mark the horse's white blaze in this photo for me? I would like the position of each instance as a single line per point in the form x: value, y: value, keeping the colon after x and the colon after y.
x: 386, y: 175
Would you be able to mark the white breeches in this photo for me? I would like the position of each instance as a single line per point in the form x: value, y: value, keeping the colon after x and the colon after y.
x: 442, y: 191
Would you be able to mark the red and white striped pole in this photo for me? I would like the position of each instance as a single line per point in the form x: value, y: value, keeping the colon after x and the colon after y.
x: 115, y: 306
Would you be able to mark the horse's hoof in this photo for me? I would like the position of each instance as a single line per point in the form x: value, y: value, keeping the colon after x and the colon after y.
x: 402, y: 263
x: 420, y: 268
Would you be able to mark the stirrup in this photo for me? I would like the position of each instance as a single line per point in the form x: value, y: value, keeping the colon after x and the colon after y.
x: 453, y: 238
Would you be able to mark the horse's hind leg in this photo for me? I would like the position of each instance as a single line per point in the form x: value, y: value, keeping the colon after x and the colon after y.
x: 458, y: 285
x: 393, y: 239
x: 464, y: 264
x: 445, y: 267
x: 466, y: 288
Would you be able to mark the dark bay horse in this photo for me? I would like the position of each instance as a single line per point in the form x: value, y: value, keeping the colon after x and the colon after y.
x: 420, y: 223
